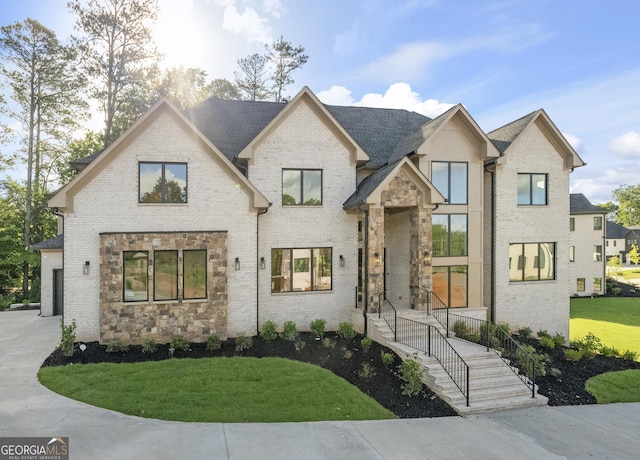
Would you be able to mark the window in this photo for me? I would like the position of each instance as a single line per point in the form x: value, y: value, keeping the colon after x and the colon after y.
x: 194, y: 274
x: 536, y: 261
x: 450, y: 179
x: 165, y: 275
x: 532, y: 189
x: 597, y: 223
x: 614, y: 243
x: 449, y: 233
x: 135, y: 275
x: 162, y: 182
x: 572, y: 253
x: 572, y: 224
x: 450, y: 284
x: 301, y: 187
x: 597, y: 253
x: 580, y: 284
x: 597, y: 284
x: 304, y: 269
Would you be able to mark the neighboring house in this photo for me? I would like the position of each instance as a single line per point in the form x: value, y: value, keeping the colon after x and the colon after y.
x: 587, y: 227
x: 233, y: 213
x: 620, y: 240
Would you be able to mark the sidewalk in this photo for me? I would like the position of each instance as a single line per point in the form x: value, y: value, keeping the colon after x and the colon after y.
x: 29, y: 409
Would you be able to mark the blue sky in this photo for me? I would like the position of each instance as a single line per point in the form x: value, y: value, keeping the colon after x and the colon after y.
x: 579, y: 60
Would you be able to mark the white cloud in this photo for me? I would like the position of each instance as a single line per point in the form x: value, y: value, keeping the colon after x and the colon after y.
x: 248, y: 23
x: 627, y: 145
x: 397, y: 96
x: 575, y: 141
x: 273, y: 7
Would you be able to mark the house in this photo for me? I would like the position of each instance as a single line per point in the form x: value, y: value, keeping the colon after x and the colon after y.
x: 232, y: 213
x: 587, y: 227
x: 620, y: 240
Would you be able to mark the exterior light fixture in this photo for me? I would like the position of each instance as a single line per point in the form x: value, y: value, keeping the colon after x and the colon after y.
x: 263, y: 264
x: 378, y: 257
x: 427, y: 258
x: 237, y: 264
x: 341, y: 258
x: 85, y: 268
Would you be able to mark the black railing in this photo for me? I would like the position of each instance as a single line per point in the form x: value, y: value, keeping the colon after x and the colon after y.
x: 496, y: 338
x: 429, y: 340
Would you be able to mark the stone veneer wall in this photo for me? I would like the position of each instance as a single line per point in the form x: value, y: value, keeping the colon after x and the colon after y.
x: 133, y: 322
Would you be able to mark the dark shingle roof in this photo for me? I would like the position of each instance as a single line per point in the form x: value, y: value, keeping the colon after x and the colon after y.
x: 580, y: 204
x: 504, y: 136
x: 368, y: 185
x: 615, y: 231
x: 57, y: 242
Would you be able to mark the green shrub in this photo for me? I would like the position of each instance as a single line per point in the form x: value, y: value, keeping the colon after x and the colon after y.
x: 366, y: 371
x: 213, y: 342
x: 68, y: 338
x: 460, y: 329
x: 616, y: 291
x: 366, y: 343
x: 609, y: 351
x: 117, y: 347
x: 269, y: 331
x: 317, y: 327
x: 555, y: 372
x: 346, y: 331
x: 34, y: 292
x: 178, y: 342
x: 243, y: 342
x: 524, y: 332
x: 387, y: 358
x: 410, y: 372
x: 149, y: 346
x: 505, y: 328
x: 328, y: 343
x: 558, y: 339
x: 475, y: 337
x: 589, y: 345
x: 543, y: 333
x: 524, y: 363
x: 629, y: 355
x: 290, y: 331
x: 299, y: 344
x: 571, y: 354
x: 547, y: 342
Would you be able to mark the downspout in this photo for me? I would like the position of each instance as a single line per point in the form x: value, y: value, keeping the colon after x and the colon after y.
x: 365, y: 271
x: 264, y: 211
x: 488, y: 167
x: 56, y: 212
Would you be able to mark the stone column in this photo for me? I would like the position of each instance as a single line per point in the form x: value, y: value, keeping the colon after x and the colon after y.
x: 375, y: 268
x: 421, y: 256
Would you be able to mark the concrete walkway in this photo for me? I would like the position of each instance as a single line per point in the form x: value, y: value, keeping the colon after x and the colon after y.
x: 29, y: 409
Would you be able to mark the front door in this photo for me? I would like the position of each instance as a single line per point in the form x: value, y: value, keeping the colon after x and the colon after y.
x: 58, y: 307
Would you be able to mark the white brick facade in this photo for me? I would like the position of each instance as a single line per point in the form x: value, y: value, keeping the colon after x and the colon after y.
x: 587, y: 270
x: 50, y: 260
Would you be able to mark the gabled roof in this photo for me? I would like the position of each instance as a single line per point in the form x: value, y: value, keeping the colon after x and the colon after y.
x: 580, y: 204
x: 371, y: 186
x: 615, y: 231
x: 505, y: 136
x: 57, y: 242
x: 64, y: 197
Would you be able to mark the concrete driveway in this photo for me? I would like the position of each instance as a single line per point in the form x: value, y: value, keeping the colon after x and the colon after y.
x: 29, y: 409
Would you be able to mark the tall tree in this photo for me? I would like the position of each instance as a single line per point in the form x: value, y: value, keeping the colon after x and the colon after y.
x: 611, y: 208
x: 187, y: 87
x: 222, y: 88
x: 44, y: 87
x: 77, y: 149
x: 285, y: 58
x: 628, y: 198
x: 119, y: 48
x: 250, y: 78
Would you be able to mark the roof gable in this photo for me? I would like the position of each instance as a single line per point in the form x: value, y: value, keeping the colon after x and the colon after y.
x: 63, y: 198
x: 358, y: 155
x: 580, y: 204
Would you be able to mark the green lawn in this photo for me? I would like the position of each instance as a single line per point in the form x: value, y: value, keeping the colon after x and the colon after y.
x: 216, y: 390
x: 613, y: 387
x: 615, y: 321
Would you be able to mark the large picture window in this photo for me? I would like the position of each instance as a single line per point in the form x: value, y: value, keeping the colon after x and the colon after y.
x: 194, y: 274
x: 301, y: 187
x: 136, y: 276
x: 532, y: 189
x: 304, y: 269
x: 162, y: 182
x: 450, y: 178
x: 449, y: 235
x: 450, y: 285
x: 165, y: 275
x: 535, y: 261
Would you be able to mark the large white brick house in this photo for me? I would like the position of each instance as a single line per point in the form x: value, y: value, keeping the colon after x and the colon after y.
x: 234, y: 213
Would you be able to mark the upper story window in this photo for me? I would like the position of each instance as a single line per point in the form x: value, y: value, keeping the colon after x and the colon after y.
x: 597, y: 223
x: 301, y: 187
x: 572, y: 224
x: 162, y: 182
x: 450, y: 178
x: 532, y: 261
x: 532, y: 189
x: 449, y: 235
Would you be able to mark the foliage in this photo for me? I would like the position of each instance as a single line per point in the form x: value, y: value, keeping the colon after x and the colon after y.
x: 346, y: 331
x: 634, y: 255
x: 628, y: 198
x: 588, y: 346
x: 606, y: 350
x: 149, y: 346
x: 387, y: 358
x: 328, y: 343
x: 243, y: 342
x: 299, y: 344
x: 366, y: 343
x: 285, y: 58
x: 250, y: 78
x: 290, y: 331
x: 223, y: 89
x: 524, y: 332
x: 213, y: 342
x: 571, y: 354
x: 460, y: 329
x: 317, y: 327
x: 559, y: 339
x: 522, y: 360
x: 630, y: 355
x: 6, y: 300
x: 184, y: 87
x: 555, y: 372
x: 68, y: 337
x: 410, y: 372
x: 268, y: 331
x: 77, y: 149
x: 178, y: 342
x: 366, y: 371
x: 117, y: 347
x: 614, y: 263
x: 547, y: 342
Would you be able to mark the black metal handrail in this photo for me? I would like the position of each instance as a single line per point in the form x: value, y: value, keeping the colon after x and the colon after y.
x: 387, y: 312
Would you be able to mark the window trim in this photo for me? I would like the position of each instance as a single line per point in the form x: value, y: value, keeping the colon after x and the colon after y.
x: 302, y: 171
x: 466, y: 247
x: 546, y: 189
x: 447, y: 193
x: 522, y: 262
x: 312, y: 268
x: 206, y: 274
x: 163, y: 177
x: 155, y: 278
x: 599, y: 220
x: 124, y: 278
x: 572, y: 224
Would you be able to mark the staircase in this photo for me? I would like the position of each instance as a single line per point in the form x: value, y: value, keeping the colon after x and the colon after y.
x: 493, y: 385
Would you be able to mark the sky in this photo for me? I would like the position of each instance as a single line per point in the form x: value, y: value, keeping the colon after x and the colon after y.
x: 579, y: 60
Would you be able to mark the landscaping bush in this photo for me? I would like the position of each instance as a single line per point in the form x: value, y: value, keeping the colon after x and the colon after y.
x: 213, y: 342
x: 269, y: 331
x: 366, y: 371
x: 317, y: 327
x: 290, y: 331
x: 547, y: 342
x: 387, y: 358
x: 68, y: 338
x: 117, y: 347
x: 571, y: 354
x: 524, y: 332
x: 243, y: 342
x: 149, y: 346
x: 328, y: 343
x: 366, y: 343
x: 589, y: 345
x: 460, y: 329
x: 630, y: 355
x: 558, y: 339
x: 178, y: 342
x: 410, y: 372
x: 346, y: 331
x: 526, y: 366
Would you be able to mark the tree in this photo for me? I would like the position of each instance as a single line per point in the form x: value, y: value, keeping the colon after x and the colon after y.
x: 187, y: 87
x: 250, y: 79
x: 628, y: 198
x: 222, y: 88
x: 634, y: 255
x: 615, y: 264
x: 77, y: 149
x: 611, y: 208
x: 285, y: 59
x: 118, y: 48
